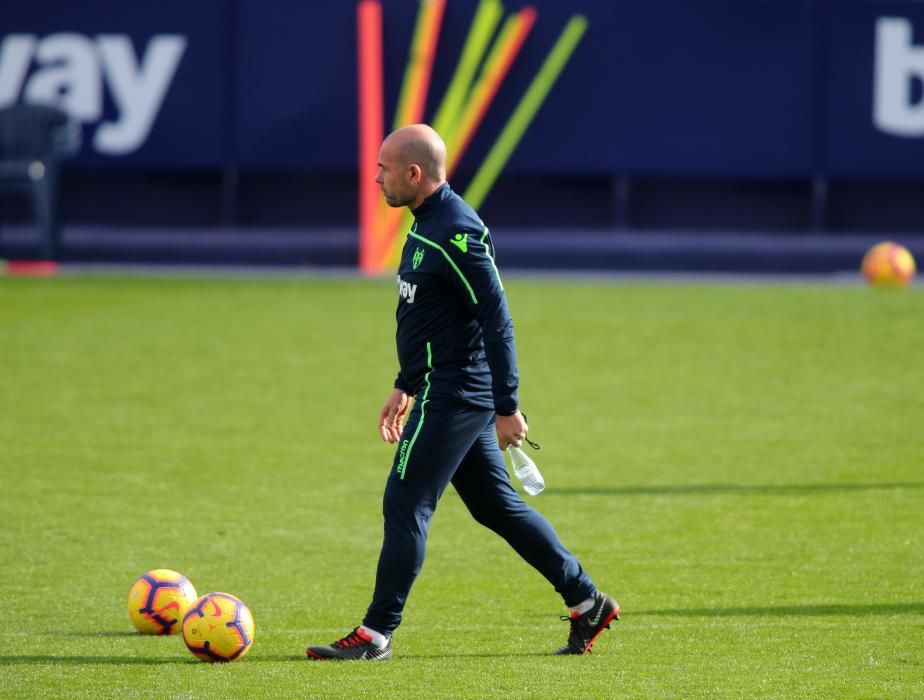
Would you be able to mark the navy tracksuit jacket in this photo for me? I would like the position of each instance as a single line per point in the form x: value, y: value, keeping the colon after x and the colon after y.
x: 452, y: 312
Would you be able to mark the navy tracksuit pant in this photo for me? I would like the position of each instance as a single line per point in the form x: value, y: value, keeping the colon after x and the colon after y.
x: 458, y: 444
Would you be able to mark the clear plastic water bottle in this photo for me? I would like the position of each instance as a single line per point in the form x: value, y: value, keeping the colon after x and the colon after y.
x: 526, y: 470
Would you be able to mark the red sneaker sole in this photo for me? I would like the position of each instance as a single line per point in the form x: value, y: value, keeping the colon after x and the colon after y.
x: 609, y: 618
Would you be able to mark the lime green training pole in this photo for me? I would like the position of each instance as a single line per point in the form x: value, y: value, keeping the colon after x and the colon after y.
x: 486, y: 18
x: 522, y: 116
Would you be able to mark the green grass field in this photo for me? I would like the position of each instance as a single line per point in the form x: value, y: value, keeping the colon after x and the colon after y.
x: 740, y: 465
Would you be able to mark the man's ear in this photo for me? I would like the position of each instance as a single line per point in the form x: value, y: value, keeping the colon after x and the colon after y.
x: 414, y: 173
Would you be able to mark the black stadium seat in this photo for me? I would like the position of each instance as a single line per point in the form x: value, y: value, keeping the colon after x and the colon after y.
x: 33, y: 141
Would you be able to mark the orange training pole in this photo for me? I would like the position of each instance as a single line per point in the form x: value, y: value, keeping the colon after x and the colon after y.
x: 371, y: 126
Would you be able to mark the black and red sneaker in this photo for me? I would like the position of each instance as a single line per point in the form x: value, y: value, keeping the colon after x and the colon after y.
x: 356, y: 646
x: 587, y: 627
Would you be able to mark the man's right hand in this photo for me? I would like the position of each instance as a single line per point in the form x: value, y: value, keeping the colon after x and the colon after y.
x: 391, y: 422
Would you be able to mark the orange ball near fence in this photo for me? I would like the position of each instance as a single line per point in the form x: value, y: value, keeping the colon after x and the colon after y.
x: 888, y: 264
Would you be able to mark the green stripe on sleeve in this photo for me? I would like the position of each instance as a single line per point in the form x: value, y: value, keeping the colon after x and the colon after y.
x: 402, y: 464
x: 487, y: 252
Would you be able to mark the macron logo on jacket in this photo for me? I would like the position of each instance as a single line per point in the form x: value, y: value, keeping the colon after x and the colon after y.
x: 406, y: 290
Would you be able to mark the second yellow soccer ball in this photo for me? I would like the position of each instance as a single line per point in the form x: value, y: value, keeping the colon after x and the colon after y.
x: 218, y: 627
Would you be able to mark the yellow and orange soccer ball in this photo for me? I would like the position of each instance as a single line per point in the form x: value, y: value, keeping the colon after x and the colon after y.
x: 888, y: 264
x: 218, y: 627
x: 215, y: 627
x: 158, y: 600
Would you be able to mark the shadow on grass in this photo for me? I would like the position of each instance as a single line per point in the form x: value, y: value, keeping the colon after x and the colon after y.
x: 731, y: 489
x: 481, y: 655
x: 399, y: 655
x: 103, y: 633
x: 43, y: 659
x: 845, y: 609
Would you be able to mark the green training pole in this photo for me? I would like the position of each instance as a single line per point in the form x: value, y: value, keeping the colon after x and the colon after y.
x: 525, y: 111
x: 486, y: 18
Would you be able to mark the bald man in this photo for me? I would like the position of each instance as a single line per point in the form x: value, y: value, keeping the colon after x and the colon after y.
x: 457, y: 360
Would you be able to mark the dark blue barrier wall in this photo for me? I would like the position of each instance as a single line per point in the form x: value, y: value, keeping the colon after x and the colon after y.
x: 89, y: 60
x: 862, y: 131
x: 728, y: 88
